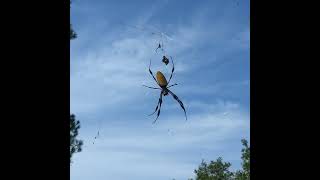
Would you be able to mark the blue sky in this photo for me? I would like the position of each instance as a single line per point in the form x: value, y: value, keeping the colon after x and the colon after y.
x: 209, y: 41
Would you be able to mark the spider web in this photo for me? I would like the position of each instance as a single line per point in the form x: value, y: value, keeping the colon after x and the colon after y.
x: 161, y: 37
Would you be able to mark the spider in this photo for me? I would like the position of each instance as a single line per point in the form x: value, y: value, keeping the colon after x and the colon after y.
x: 163, y: 84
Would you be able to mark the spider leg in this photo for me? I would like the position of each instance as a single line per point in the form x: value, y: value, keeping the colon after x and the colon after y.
x: 157, y: 106
x: 160, y: 102
x: 180, y: 102
x: 172, y: 85
x: 151, y: 72
x: 150, y: 87
x: 171, y: 70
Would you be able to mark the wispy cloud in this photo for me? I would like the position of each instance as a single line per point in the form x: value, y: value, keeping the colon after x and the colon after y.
x: 161, y: 149
x: 109, y: 63
x: 121, y: 64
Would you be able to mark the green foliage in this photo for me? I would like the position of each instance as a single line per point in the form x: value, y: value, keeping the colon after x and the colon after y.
x: 75, y: 144
x: 215, y: 170
x: 73, y: 34
x: 244, y: 174
x: 219, y: 170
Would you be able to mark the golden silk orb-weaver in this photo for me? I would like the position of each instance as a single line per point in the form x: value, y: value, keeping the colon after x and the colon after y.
x: 164, y: 87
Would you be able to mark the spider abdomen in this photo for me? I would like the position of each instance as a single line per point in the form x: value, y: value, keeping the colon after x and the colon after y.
x: 161, y: 79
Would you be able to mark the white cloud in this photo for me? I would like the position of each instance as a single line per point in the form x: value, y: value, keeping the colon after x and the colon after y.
x: 104, y: 75
x: 107, y: 75
x: 162, y: 150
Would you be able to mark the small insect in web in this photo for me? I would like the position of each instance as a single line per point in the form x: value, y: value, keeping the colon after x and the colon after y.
x: 159, y: 47
x: 161, y: 39
x: 165, y: 60
x: 164, y: 87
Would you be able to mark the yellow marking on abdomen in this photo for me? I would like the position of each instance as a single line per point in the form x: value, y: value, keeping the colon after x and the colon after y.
x: 161, y: 79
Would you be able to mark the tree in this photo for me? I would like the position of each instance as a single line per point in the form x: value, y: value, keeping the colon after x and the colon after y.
x: 73, y: 34
x: 75, y: 144
x: 244, y: 174
x: 216, y: 170
x: 219, y: 170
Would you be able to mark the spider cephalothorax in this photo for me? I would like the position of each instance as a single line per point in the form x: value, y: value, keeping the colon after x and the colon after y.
x: 163, y: 84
